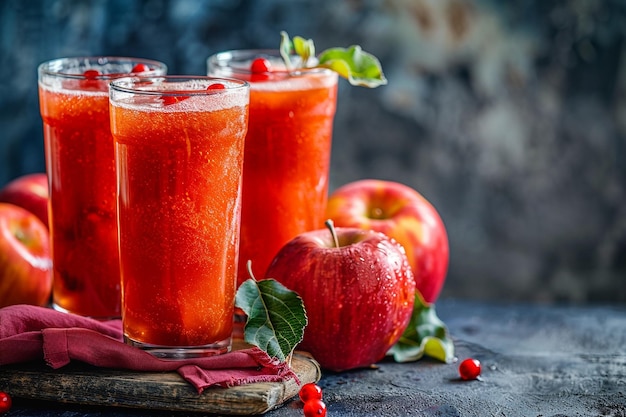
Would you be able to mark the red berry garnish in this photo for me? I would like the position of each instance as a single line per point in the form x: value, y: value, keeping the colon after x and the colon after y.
x: 314, y: 408
x: 469, y: 369
x: 260, y: 65
x: 91, y: 74
x: 260, y: 68
x: 310, y: 392
x: 216, y: 86
x: 5, y: 402
x: 168, y: 100
x: 91, y: 81
x: 140, y: 68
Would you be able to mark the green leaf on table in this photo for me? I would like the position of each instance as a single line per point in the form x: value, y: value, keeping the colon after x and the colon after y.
x: 426, y: 335
x: 276, y: 316
x: 360, y: 68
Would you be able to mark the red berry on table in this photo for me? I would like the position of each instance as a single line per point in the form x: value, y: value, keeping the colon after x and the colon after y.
x: 469, y: 369
x: 310, y: 392
x: 5, y: 402
x: 314, y: 408
x: 91, y: 74
x: 216, y: 86
x: 260, y: 65
x: 140, y: 68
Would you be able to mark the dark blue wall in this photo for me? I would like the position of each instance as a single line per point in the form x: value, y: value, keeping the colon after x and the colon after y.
x: 510, y: 117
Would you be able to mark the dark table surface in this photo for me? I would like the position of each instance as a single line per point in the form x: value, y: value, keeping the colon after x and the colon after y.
x: 537, y: 361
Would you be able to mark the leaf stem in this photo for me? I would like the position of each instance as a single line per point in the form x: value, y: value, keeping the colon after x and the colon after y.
x: 331, y: 226
x: 249, y: 268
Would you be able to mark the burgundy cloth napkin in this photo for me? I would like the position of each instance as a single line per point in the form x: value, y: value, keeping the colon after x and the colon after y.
x: 30, y: 333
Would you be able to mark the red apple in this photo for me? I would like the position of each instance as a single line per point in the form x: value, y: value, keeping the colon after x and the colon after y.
x: 358, y: 291
x: 30, y: 192
x: 404, y: 214
x: 25, y: 264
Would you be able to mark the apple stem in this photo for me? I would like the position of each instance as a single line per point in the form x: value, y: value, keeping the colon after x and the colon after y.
x: 331, y: 226
x: 249, y: 267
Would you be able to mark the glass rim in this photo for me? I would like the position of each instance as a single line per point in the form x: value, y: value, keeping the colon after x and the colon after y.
x: 48, y: 68
x: 222, y: 60
x: 120, y: 85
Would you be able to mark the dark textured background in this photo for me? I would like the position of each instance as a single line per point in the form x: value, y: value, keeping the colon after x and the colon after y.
x: 510, y: 117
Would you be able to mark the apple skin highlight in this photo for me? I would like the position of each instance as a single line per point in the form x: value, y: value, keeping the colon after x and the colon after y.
x: 358, y: 296
x: 402, y: 213
x: 25, y: 263
x: 29, y: 191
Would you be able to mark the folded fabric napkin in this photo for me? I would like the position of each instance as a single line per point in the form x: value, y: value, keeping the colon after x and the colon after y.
x: 29, y: 333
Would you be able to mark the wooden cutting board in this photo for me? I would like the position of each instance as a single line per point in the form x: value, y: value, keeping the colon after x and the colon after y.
x: 83, y: 384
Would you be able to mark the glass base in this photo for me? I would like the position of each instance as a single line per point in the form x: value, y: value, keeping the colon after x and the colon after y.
x: 182, y: 352
x: 57, y: 307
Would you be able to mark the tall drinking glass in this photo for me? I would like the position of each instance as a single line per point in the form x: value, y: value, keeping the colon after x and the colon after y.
x: 74, y: 104
x: 287, y: 152
x: 179, y: 145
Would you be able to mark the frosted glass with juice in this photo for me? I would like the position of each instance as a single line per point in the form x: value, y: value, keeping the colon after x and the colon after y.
x: 179, y: 152
x: 74, y: 104
x: 287, y: 152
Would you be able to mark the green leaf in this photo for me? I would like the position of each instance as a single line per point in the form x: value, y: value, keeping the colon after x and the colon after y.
x: 304, y: 48
x: 286, y: 49
x: 426, y: 335
x: 276, y: 316
x: 357, y: 66
x: 360, y: 68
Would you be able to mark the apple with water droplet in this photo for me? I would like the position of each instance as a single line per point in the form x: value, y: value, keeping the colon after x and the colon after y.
x: 402, y: 213
x: 358, y: 291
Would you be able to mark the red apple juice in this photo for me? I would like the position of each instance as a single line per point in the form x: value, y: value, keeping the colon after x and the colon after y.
x: 81, y: 173
x: 179, y: 178
x: 287, y: 154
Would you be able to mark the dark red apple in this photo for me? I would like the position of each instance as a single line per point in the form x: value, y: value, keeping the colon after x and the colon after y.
x: 30, y: 192
x: 358, y: 292
x: 25, y: 263
x: 402, y: 213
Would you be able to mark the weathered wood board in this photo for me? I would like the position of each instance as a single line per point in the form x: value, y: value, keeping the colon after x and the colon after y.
x: 87, y: 385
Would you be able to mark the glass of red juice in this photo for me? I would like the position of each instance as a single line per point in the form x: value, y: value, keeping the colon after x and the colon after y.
x: 179, y: 144
x: 74, y: 105
x: 287, y: 151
